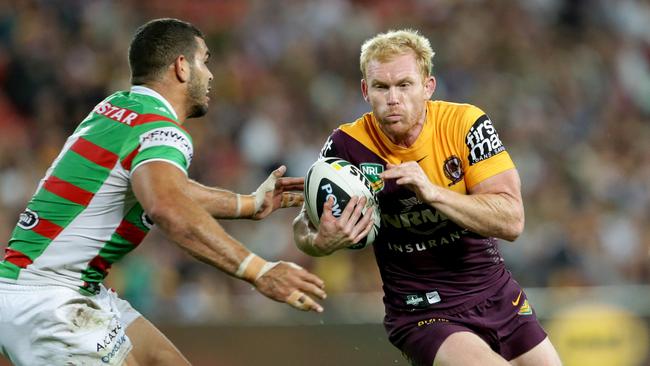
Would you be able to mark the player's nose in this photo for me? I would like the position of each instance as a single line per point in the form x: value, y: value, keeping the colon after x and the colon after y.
x: 393, y: 95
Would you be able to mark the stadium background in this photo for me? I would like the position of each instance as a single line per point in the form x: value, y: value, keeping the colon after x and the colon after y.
x: 567, y: 84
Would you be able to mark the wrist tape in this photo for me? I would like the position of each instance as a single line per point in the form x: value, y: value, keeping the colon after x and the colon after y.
x: 246, y: 206
x: 253, y: 267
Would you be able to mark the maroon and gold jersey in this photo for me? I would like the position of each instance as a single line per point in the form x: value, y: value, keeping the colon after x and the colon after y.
x: 425, y: 259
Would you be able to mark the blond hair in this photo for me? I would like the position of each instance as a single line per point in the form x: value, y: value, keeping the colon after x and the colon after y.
x: 385, y: 46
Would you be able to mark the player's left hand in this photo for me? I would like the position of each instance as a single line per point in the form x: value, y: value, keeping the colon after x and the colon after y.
x: 277, y: 192
x: 289, y: 283
x: 411, y: 175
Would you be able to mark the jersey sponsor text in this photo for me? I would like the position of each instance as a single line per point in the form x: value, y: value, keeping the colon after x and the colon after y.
x: 483, y: 141
x: 409, y: 248
x: 116, y: 113
x: 167, y: 136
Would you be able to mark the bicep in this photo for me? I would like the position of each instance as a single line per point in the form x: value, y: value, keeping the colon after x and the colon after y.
x: 157, y: 183
x: 507, y: 182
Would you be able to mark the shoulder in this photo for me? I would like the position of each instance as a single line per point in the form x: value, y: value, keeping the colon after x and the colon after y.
x: 360, y: 125
x: 451, y: 111
x: 133, y: 110
x: 343, y: 136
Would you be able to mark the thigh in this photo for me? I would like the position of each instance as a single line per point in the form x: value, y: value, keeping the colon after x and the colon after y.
x: 512, y: 321
x: 59, y: 326
x: 151, y: 347
x: 467, y: 349
x: 419, y: 338
x: 544, y: 354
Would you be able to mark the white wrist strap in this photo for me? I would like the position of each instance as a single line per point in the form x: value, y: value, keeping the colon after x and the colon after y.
x: 265, y: 268
x: 254, y: 267
x: 238, y: 210
x: 244, y: 264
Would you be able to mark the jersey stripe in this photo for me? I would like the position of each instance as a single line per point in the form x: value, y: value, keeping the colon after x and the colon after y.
x: 128, y: 160
x: 9, y: 270
x: 68, y: 191
x: 19, y: 259
x: 126, y: 237
x: 47, y: 229
x: 81, y: 172
x: 94, y: 153
x: 28, y: 242
x: 130, y: 232
x: 100, y: 263
x: 150, y: 117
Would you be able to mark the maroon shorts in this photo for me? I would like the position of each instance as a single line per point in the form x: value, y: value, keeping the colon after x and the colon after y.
x: 506, y: 321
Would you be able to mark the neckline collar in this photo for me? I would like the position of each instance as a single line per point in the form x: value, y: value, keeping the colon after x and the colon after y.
x: 139, y: 89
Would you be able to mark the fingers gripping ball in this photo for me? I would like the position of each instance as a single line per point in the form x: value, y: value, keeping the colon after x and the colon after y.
x: 338, y: 178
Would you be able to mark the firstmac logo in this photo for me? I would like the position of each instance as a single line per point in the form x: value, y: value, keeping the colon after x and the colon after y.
x: 483, y: 141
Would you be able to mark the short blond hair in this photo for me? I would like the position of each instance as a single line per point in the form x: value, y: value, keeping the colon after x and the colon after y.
x: 385, y: 46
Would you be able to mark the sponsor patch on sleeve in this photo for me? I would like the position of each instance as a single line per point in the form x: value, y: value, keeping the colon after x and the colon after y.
x: 482, y: 140
x: 328, y: 149
x: 168, y: 136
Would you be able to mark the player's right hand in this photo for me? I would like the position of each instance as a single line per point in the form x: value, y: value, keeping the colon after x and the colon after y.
x: 349, y: 228
x: 289, y: 283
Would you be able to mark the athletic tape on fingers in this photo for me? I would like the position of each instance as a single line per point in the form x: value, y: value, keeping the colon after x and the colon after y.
x: 291, y: 199
x: 299, y: 300
x: 267, y: 186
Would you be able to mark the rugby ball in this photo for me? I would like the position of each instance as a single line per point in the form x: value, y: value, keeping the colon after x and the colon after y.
x: 340, y: 179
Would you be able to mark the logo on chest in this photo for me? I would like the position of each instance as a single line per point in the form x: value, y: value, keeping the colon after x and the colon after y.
x: 453, y: 169
x: 372, y: 171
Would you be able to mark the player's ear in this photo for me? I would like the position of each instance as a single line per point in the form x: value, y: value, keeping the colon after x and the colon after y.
x: 182, y: 68
x: 429, y: 86
x: 364, y: 90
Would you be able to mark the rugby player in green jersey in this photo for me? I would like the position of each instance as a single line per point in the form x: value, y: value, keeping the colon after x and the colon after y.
x: 122, y: 170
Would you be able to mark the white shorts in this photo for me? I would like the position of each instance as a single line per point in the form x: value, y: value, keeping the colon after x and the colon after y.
x: 54, y: 325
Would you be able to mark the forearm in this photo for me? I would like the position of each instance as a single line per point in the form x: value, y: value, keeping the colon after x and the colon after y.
x: 221, y: 203
x: 201, y: 236
x: 491, y: 214
x: 304, y: 235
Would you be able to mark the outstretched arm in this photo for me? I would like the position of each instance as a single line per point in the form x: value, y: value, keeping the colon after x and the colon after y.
x: 161, y: 189
x: 492, y: 208
x: 274, y: 193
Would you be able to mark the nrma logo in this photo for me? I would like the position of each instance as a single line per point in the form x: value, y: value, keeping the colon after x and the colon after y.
x: 423, y: 222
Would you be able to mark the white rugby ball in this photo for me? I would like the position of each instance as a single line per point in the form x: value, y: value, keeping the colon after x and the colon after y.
x: 341, y: 180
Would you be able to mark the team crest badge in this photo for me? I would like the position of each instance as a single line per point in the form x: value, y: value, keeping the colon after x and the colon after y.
x: 146, y: 220
x: 525, y: 309
x: 453, y: 170
x: 28, y: 219
x: 372, y: 171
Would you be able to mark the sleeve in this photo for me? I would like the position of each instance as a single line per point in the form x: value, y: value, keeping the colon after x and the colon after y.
x: 330, y: 148
x: 484, y: 154
x: 163, y: 142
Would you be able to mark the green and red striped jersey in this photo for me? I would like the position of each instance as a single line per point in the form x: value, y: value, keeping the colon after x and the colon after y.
x: 84, y: 216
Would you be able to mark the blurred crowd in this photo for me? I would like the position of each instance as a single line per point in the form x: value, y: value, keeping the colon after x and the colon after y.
x: 566, y: 82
